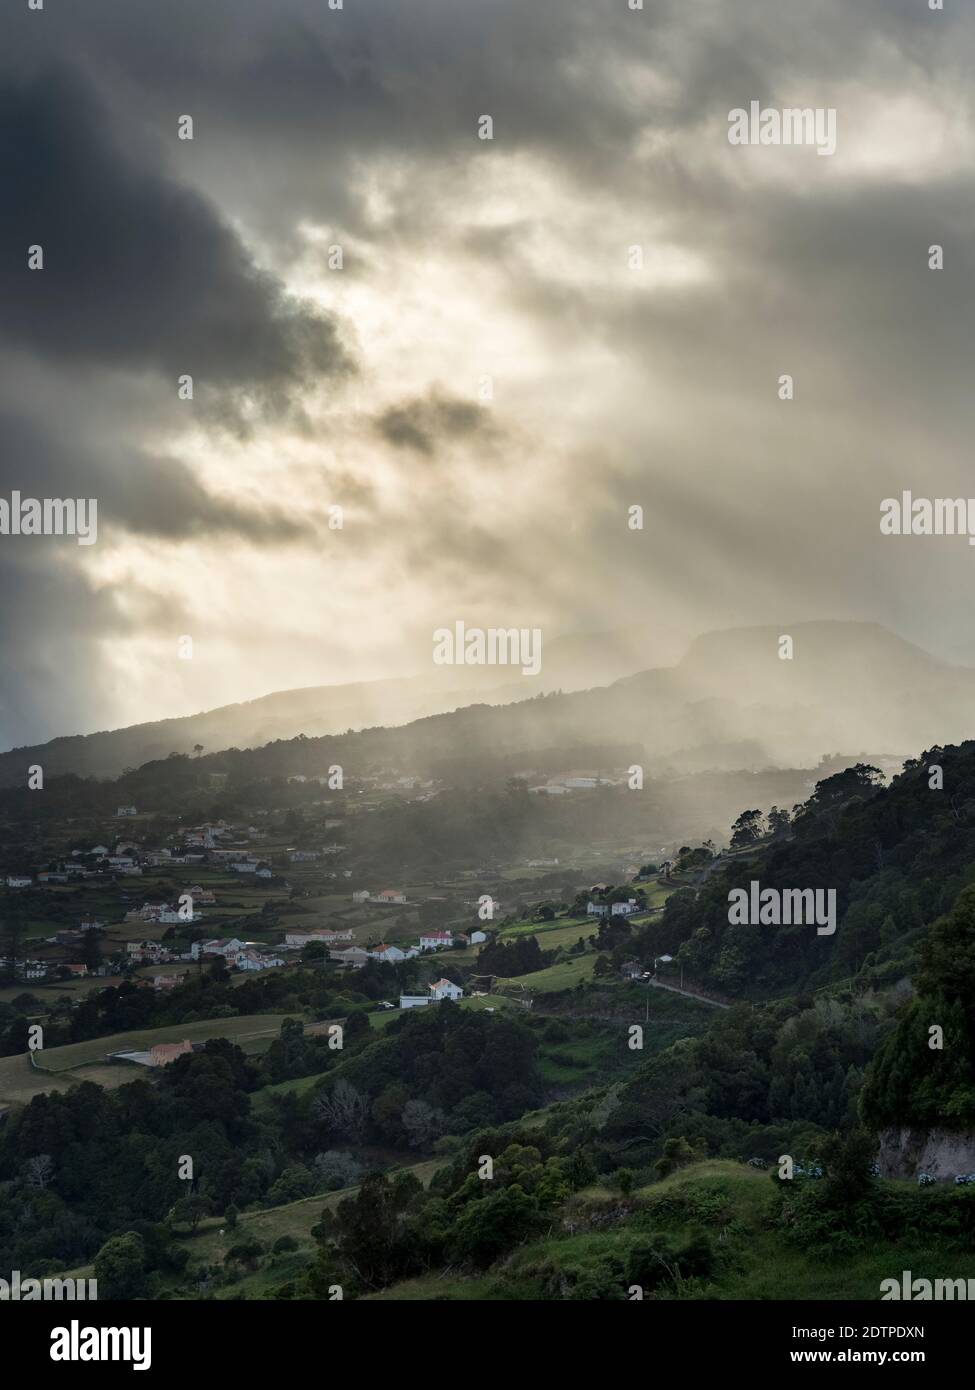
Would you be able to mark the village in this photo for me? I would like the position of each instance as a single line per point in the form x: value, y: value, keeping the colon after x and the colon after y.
x: 153, y: 906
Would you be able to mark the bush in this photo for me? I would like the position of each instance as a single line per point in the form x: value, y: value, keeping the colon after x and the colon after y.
x: 625, y: 1180
x: 245, y: 1252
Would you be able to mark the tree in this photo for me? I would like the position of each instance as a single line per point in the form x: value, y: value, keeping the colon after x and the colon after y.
x: 190, y: 1211
x: 246, y: 1252
x: 218, y: 971
x: 423, y: 1123
x: 677, y: 1154
x: 120, y: 1267
x: 91, y: 951
x: 747, y: 829
x: 293, y: 1184
x: 345, y: 1111
x: 356, y: 1026
x: 230, y: 1217
x: 39, y: 1171
x: 625, y: 1180
x: 335, y: 1169
x: 486, y: 1228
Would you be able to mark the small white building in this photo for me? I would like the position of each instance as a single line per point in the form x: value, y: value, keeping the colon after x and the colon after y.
x: 19, y: 881
x: 362, y: 896
x: 255, y: 960
x: 353, y: 956
x: 433, y: 940
x: 392, y: 954
x: 126, y: 811
x: 413, y: 1001
x: 390, y: 895
x: 477, y: 937
x: 230, y: 948
x: 302, y: 938
x: 445, y: 989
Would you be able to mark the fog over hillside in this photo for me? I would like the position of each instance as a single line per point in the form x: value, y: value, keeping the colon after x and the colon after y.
x: 735, y: 700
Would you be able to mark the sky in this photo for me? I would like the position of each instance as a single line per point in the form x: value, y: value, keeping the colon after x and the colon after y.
x: 493, y: 377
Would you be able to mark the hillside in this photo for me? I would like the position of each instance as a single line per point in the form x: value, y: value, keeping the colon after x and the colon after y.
x: 851, y: 687
x: 570, y: 663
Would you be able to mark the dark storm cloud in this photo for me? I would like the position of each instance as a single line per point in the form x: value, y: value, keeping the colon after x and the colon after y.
x: 288, y: 98
x: 50, y: 619
x: 423, y: 424
x: 139, y: 272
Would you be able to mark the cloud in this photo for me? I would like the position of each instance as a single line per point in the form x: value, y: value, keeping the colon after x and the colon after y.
x: 140, y: 272
x: 466, y: 259
x: 422, y: 425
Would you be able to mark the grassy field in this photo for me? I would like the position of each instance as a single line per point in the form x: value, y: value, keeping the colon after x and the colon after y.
x: 20, y: 1083
x: 565, y: 975
x: 246, y: 1029
x: 552, y: 935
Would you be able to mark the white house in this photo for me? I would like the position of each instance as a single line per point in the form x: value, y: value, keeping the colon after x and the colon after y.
x: 476, y: 937
x: 254, y: 960
x: 302, y: 856
x: 362, y: 896
x: 445, y: 989
x: 617, y: 909
x: 171, y: 916
x: 350, y: 955
x: 392, y: 954
x: 147, y: 950
x: 390, y: 895
x: 230, y: 948
x: 433, y: 940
